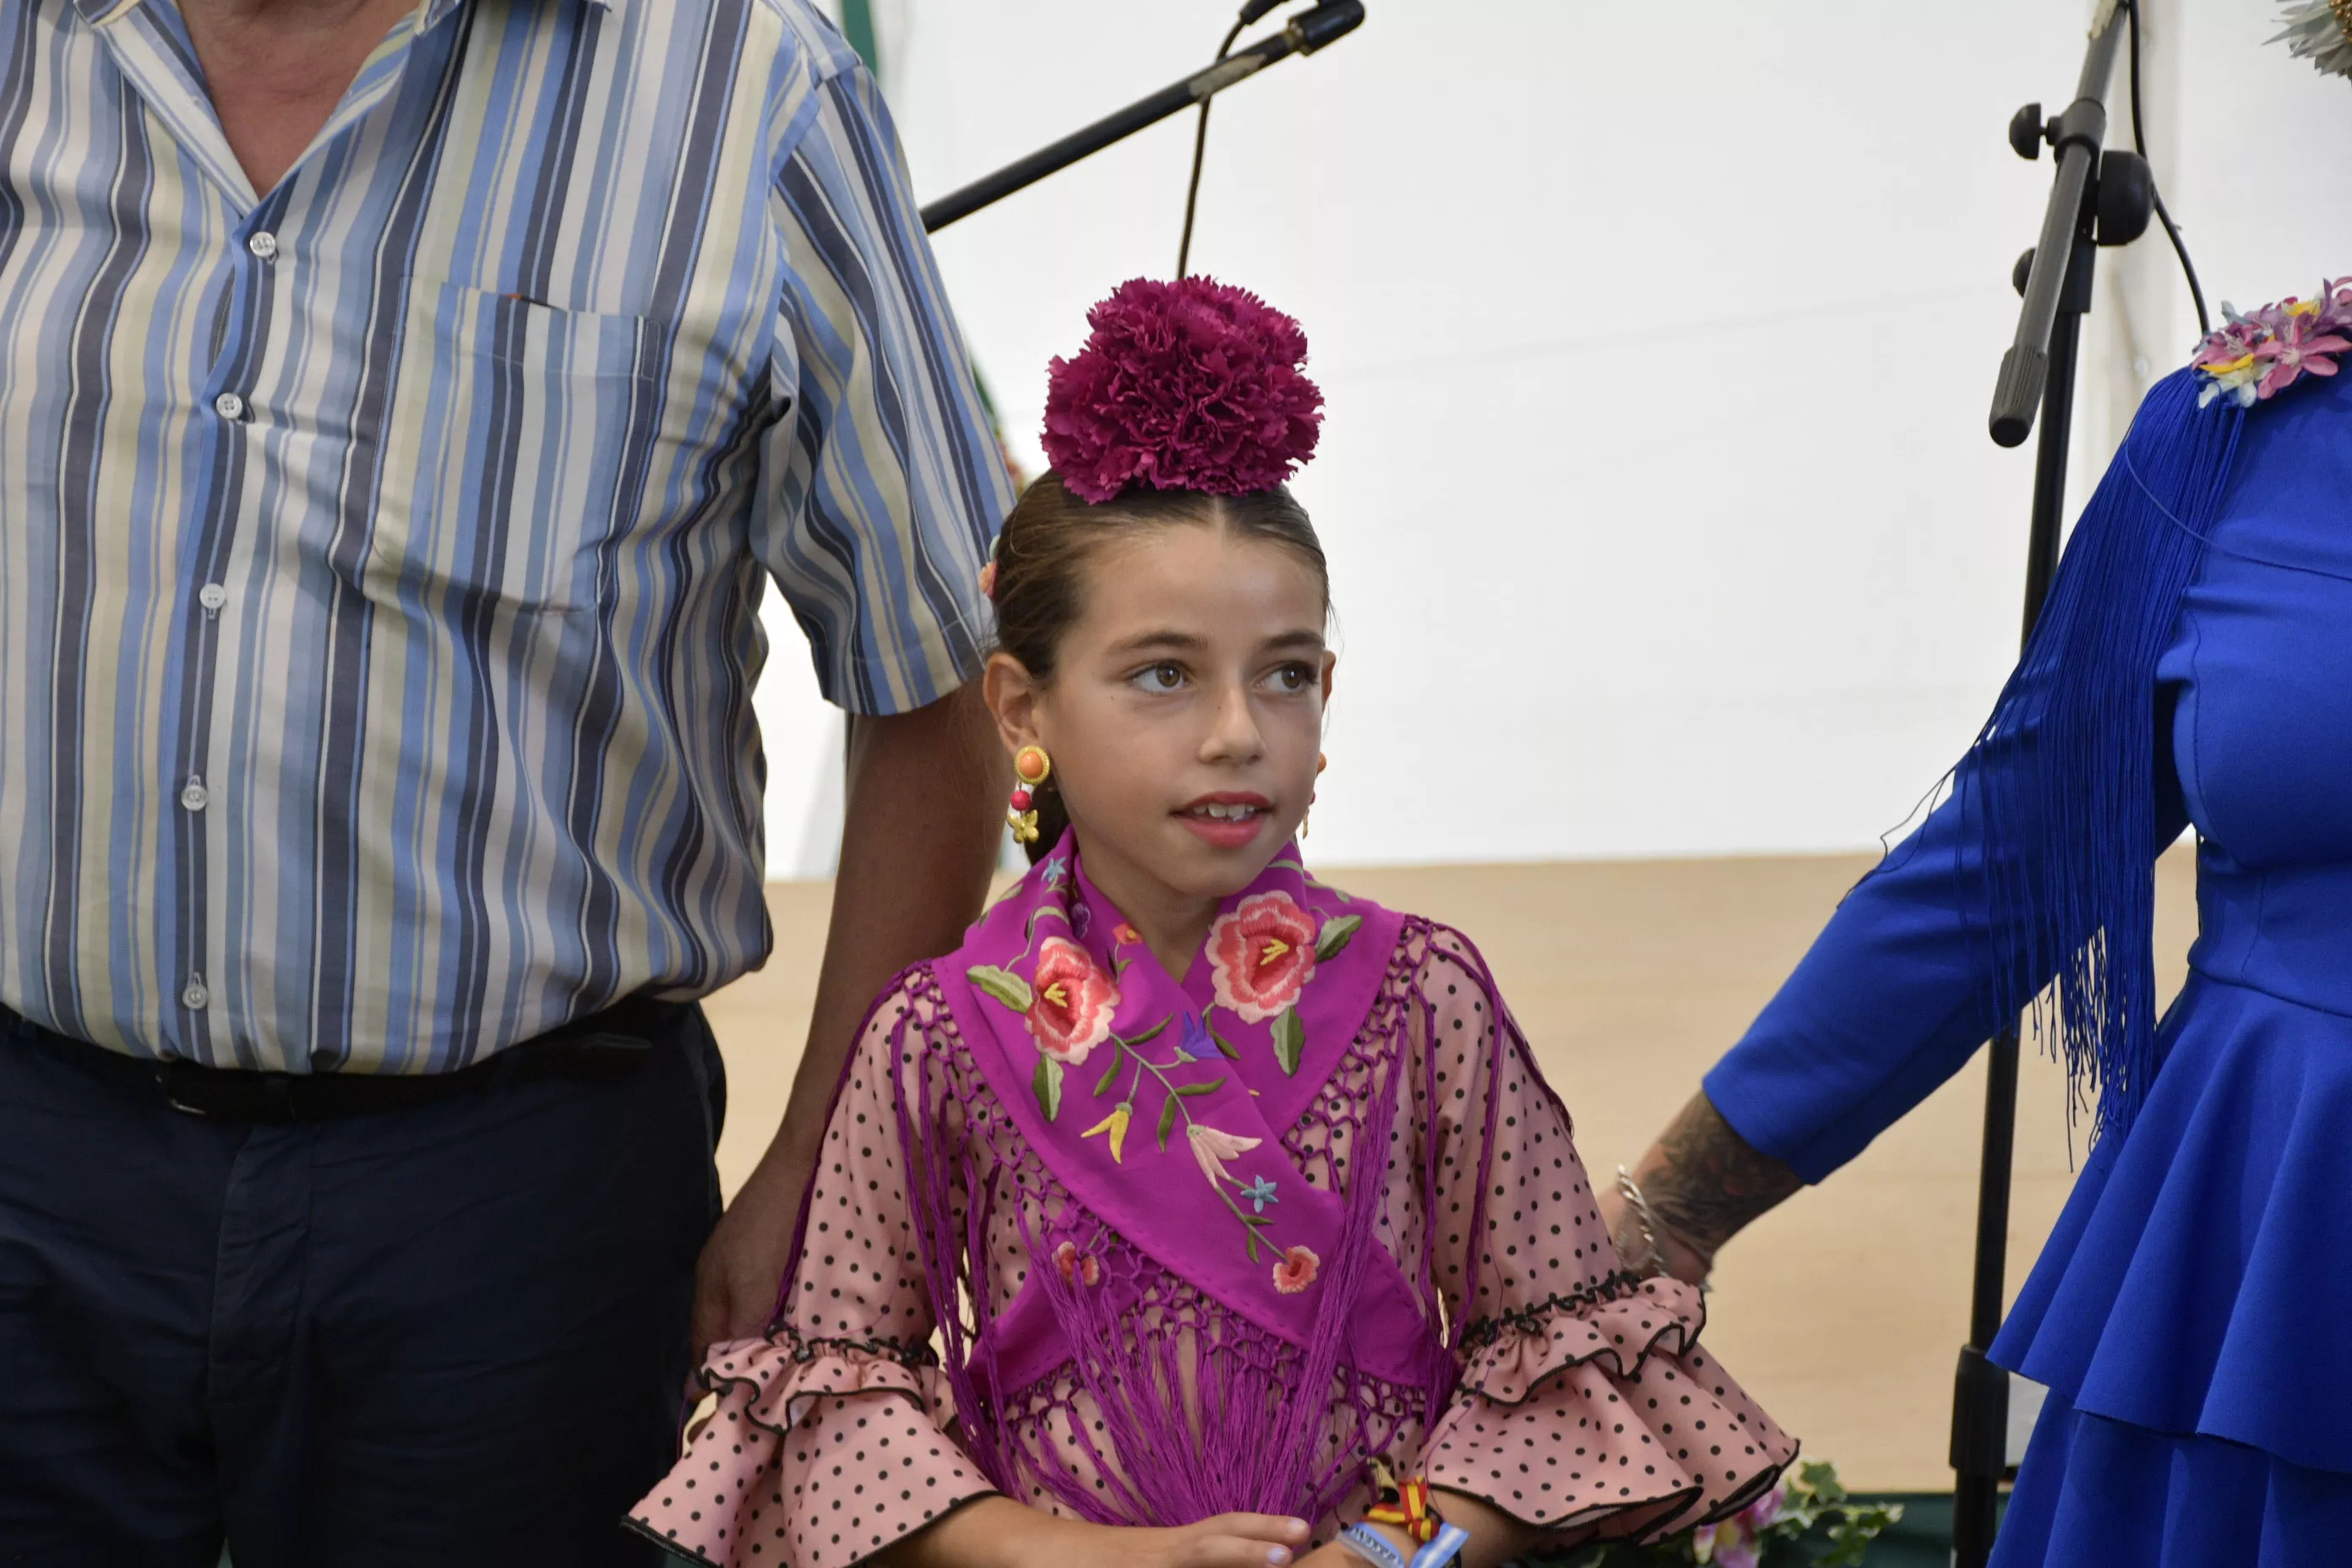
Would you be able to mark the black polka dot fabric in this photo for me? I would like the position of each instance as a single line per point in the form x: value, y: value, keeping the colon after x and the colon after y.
x: 1584, y: 1406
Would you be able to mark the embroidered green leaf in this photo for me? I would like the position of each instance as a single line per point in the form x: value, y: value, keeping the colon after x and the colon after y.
x: 1048, y: 1085
x: 1253, y: 1246
x: 1117, y: 1060
x: 1150, y: 1033
x: 1290, y: 1040
x: 1335, y: 936
x: 1166, y: 1120
x: 1001, y: 983
x: 1214, y: 1084
x: 1225, y: 1045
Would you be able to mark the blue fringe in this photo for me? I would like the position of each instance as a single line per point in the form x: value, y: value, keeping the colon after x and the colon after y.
x: 2063, y: 807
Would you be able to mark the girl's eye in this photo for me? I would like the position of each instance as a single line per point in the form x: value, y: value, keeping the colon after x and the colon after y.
x: 1160, y: 677
x: 1293, y: 678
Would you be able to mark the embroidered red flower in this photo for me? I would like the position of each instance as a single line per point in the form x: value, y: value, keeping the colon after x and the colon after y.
x: 1072, y: 1001
x: 1294, y: 1270
x: 1261, y: 955
x: 1076, y: 1266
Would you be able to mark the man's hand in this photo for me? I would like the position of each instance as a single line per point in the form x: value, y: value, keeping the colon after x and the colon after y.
x: 919, y: 832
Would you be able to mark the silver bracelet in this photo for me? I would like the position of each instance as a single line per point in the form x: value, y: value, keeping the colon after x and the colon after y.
x: 1646, y: 1218
x: 1654, y: 1260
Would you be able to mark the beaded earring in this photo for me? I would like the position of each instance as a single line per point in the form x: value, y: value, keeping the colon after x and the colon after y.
x: 1033, y: 767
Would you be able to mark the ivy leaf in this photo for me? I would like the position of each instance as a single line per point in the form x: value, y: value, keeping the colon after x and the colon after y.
x: 1048, y: 1085
x: 1166, y: 1120
x: 1225, y: 1045
x: 1337, y: 935
x: 1210, y: 1086
x: 1117, y: 1060
x: 1290, y: 1040
x: 1004, y: 984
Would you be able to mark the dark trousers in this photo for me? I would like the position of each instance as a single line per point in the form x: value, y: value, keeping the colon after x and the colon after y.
x: 446, y: 1334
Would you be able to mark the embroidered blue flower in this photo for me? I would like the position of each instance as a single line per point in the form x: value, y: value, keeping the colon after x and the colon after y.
x: 1192, y: 1041
x: 1260, y: 1193
x: 1056, y: 869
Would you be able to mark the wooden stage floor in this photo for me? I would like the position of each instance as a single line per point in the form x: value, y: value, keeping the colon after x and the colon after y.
x: 1841, y: 1311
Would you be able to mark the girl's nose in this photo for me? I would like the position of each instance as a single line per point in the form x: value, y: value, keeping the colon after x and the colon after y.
x: 1234, y: 737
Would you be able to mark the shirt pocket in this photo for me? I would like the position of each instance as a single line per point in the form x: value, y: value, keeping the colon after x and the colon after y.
x: 516, y: 456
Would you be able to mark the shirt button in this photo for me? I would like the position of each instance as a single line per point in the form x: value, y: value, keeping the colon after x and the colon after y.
x: 193, y: 996
x: 230, y: 405
x: 263, y: 245
x: 212, y: 595
x: 194, y: 796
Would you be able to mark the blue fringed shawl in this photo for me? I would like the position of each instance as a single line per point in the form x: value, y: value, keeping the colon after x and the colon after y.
x: 2067, y: 838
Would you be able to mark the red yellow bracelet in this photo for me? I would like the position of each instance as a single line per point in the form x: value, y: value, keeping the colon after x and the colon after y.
x: 1404, y: 1504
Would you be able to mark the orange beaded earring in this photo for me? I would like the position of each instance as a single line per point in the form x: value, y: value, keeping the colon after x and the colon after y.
x: 1033, y: 767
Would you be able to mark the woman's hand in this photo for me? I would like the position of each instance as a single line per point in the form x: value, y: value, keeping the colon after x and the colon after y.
x: 998, y: 1533
x: 1704, y: 1183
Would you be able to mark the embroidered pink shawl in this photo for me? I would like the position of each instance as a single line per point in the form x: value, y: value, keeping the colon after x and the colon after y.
x: 1161, y: 1108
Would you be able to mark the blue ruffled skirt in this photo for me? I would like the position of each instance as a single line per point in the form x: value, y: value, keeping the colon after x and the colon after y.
x: 2188, y: 1314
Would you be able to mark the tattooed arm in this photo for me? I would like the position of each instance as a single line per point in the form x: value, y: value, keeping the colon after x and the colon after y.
x: 1704, y: 1183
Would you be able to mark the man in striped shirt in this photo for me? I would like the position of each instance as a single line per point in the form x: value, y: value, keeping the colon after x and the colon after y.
x: 402, y: 403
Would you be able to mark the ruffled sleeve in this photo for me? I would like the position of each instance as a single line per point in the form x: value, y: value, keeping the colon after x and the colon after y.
x: 1586, y: 1405
x: 830, y: 1439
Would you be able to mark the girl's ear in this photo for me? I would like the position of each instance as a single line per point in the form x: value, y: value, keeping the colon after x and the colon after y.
x: 1330, y: 666
x: 1012, y: 695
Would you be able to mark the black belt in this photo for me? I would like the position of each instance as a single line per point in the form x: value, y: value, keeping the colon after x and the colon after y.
x: 602, y: 1046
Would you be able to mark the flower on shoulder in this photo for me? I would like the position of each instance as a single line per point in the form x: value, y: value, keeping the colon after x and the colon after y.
x: 1261, y: 955
x: 1116, y: 1124
x: 1260, y: 1193
x: 2295, y: 350
x: 1072, y: 1001
x: 1295, y: 1269
x: 1213, y: 1148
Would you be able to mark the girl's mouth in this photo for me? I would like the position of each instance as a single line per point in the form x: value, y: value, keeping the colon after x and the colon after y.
x: 1227, y: 821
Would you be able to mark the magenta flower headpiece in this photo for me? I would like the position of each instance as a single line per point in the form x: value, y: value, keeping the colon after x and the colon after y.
x: 2259, y: 354
x: 1185, y: 385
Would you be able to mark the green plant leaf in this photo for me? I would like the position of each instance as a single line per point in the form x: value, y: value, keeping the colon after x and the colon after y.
x: 1337, y: 935
x: 1166, y: 1120
x: 1117, y: 1060
x: 1004, y: 984
x: 1048, y: 1085
x: 1210, y: 1086
x: 1253, y: 1246
x: 1290, y: 1040
x: 1150, y: 1033
x: 1224, y: 1043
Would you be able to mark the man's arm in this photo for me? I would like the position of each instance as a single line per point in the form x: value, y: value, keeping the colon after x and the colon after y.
x: 920, y: 828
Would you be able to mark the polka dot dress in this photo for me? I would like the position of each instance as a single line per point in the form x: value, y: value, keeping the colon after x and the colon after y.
x: 1585, y: 1406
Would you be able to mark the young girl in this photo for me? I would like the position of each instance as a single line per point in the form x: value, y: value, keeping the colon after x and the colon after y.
x: 1246, y: 1228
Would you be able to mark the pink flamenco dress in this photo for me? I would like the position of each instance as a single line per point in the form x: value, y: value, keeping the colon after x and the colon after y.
x: 1138, y: 1252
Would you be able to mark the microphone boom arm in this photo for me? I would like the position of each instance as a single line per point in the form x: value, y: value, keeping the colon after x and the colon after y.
x: 1306, y: 33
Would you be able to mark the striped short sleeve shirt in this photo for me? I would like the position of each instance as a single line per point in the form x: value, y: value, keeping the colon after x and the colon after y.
x: 381, y: 556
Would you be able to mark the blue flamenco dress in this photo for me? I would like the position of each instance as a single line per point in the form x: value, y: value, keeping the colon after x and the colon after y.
x: 2188, y: 1313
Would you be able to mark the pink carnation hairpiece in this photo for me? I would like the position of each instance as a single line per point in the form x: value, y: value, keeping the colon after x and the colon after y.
x: 1185, y: 385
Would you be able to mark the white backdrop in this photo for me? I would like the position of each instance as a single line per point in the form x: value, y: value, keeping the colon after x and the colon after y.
x: 1657, y: 340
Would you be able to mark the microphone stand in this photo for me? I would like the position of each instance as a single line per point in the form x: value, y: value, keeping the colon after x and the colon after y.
x: 1306, y: 33
x: 2097, y: 199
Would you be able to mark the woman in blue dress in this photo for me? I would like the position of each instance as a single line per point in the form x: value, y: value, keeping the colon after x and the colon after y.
x: 2193, y: 668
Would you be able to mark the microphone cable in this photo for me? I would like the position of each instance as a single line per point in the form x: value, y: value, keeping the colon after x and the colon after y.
x: 1250, y: 12
x: 2139, y: 145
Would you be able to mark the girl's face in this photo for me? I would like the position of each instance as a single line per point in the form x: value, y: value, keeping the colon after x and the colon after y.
x: 1185, y: 717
